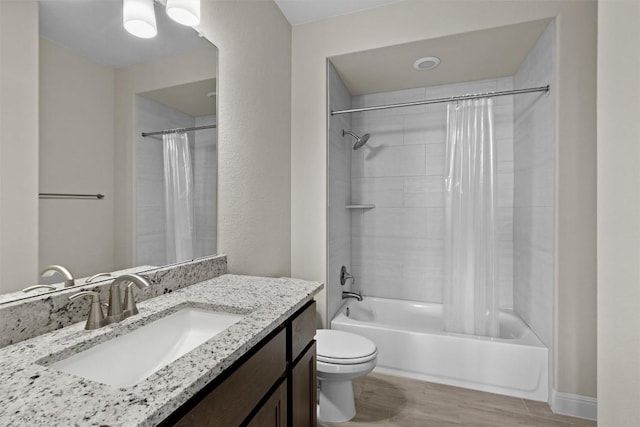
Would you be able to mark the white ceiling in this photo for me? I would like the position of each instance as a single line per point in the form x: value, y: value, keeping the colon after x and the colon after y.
x: 478, y: 55
x: 93, y: 28
x: 304, y: 11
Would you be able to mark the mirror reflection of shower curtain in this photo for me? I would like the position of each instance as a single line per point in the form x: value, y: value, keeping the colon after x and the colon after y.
x: 470, y: 293
x: 178, y: 191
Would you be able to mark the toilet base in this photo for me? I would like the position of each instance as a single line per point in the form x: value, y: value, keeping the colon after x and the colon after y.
x: 336, y: 402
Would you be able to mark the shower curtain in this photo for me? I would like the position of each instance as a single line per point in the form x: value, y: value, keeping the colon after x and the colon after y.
x: 470, y: 287
x: 178, y: 190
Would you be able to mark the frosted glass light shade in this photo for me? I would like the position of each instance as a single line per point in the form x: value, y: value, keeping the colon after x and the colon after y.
x: 185, y: 12
x: 139, y: 18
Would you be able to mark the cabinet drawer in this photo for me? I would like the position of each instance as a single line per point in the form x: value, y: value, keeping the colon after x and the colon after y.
x: 303, y: 330
x: 229, y: 403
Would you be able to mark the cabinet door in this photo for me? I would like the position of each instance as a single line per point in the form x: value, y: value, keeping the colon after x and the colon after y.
x: 274, y: 411
x: 231, y: 402
x: 303, y: 390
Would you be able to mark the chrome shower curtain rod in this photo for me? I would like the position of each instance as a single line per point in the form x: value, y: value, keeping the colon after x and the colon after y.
x: 177, y: 130
x: 545, y: 89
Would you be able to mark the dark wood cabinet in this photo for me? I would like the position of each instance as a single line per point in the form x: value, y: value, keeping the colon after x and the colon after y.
x: 303, y: 383
x: 273, y: 412
x: 229, y: 403
x: 272, y: 385
x: 302, y: 331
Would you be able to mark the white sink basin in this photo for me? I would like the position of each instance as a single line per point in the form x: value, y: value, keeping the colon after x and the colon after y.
x: 128, y: 359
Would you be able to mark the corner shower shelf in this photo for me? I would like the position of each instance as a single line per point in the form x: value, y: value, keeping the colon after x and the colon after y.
x: 360, y: 206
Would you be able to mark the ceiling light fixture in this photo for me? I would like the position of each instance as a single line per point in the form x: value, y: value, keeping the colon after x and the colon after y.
x: 185, y: 12
x: 139, y: 18
x: 426, y: 63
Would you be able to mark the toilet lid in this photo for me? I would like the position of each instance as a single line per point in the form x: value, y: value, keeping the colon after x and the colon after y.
x: 343, y: 347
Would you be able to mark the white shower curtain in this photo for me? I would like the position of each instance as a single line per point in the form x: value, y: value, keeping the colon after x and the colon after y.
x: 470, y: 287
x: 178, y: 190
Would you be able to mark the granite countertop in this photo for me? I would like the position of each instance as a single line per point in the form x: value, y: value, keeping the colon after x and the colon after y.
x: 33, y: 394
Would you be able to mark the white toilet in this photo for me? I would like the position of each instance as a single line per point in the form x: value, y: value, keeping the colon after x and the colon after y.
x: 341, y: 357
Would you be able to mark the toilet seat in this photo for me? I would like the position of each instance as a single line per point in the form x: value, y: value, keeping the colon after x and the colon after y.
x: 344, y: 361
x: 344, y: 348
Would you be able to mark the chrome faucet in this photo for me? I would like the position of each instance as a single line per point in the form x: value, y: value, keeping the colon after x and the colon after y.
x: 53, y: 269
x: 349, y: 294
x: 116, y: 313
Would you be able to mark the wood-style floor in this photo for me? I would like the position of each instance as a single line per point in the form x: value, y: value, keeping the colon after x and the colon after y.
x: 383, y: 400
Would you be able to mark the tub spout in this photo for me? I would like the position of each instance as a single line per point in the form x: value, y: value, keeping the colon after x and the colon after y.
x: 348, y: 294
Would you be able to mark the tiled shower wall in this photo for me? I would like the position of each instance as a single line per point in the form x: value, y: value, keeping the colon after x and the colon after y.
x: 397, y: 247
x: 534, y: 158
x: 150, y: 235
x: 339, y: 191
x: 205, y: 177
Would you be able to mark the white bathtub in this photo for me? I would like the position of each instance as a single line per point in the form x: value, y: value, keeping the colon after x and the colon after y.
x: 411, y: 342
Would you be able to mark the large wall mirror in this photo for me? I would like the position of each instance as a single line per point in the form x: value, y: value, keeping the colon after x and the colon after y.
x: 127, y: 144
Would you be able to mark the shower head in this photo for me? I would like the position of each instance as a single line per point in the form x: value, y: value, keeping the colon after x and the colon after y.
x: 360, y: 140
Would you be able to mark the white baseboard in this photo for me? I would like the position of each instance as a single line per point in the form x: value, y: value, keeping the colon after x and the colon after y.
x: 574, y: 405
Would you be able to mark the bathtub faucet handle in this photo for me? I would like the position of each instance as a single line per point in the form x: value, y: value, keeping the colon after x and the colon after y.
x: 344, y: 276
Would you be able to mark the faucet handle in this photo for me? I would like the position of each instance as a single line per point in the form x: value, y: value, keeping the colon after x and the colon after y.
x: 96, y: 316
x: 130, y: 301
x: 34, y: 287
x: 96, y: 276
x: 130, y: 307
x: 345, y: 275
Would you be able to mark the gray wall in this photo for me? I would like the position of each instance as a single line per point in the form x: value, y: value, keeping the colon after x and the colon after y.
x: 76, y: 117
x: 254, y: 151
x: 18, y: 145
x: 534, y: 157
x: 339, y: 191
x: 618, y: 213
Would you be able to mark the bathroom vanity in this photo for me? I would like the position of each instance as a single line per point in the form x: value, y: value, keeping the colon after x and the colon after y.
x: 261, y: 371
x: 272, y: 385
